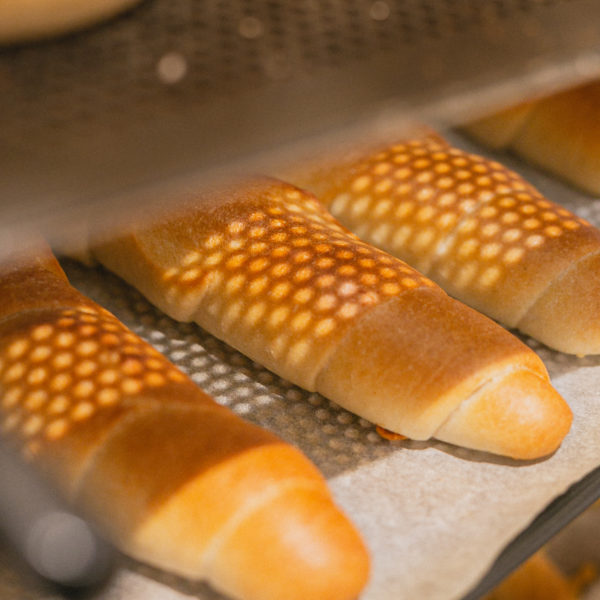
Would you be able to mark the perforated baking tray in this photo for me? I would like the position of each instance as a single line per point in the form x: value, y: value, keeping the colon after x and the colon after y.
x: 177, y: 92
x: 442, y: 523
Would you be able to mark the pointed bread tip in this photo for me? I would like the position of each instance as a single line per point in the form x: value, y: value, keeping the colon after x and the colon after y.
x: 520, y: 415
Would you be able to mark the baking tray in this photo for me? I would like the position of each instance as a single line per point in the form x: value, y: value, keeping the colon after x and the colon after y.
x: 443, y: 523
x: 178, y: 92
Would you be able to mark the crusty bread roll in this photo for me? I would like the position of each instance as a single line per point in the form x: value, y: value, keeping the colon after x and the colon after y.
x: 538, y: 578
x: 26, y: 20
x: 479, y: 230
x: 560, y: 133
x: 499, y: 130
x: 172, y: 477
x: 263, y: 266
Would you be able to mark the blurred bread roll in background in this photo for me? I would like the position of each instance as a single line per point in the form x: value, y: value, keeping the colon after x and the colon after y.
x: 539, y: 578
x: 560, y: 133
x: 28, y: 20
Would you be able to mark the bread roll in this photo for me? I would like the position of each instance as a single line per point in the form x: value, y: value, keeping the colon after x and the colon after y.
x: 173, y: 478
x: 480, y: 231
x: 263, y: 266
x: 538, y: 578
x: 560, y: 133
x: 26, y: 20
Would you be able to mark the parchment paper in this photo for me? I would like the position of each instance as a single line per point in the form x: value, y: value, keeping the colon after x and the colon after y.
x: 434, y: 517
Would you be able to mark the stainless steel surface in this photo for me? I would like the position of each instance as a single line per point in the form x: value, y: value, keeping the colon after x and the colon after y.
x: 178, y: 93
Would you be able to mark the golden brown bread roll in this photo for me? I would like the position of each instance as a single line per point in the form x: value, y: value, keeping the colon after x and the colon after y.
x: 172, y: 477
x: 560, y: 133
x: 265, y: 267
x: 26, y: 20
x: 536, y: 579
x: 479, y: 230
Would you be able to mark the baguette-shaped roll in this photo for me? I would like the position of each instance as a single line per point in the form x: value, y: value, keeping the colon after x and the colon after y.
x: 560, y: 133
x: 480, y: 231
x: 265, y: 267
x: 172, y: 478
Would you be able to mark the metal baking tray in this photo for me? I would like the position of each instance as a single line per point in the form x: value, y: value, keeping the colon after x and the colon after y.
x: 176, y: 93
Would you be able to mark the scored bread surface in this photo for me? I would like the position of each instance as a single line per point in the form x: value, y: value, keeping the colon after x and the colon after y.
x: 171, y: 477
x: 266, y: 268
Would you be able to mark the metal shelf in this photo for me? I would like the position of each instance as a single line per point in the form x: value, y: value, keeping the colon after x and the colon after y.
x: 546, y: 525
x: 178, y: 92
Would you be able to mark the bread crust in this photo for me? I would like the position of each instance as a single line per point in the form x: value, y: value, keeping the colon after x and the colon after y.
x: 170, y: 476
x: 478, y: 229
x: 498, y: 130
x: 267, y: 269
x: 562, y: 135
x: 559, y: 133
x: 504, y: 402
x: 425, y: 352
x: 573, y: 331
